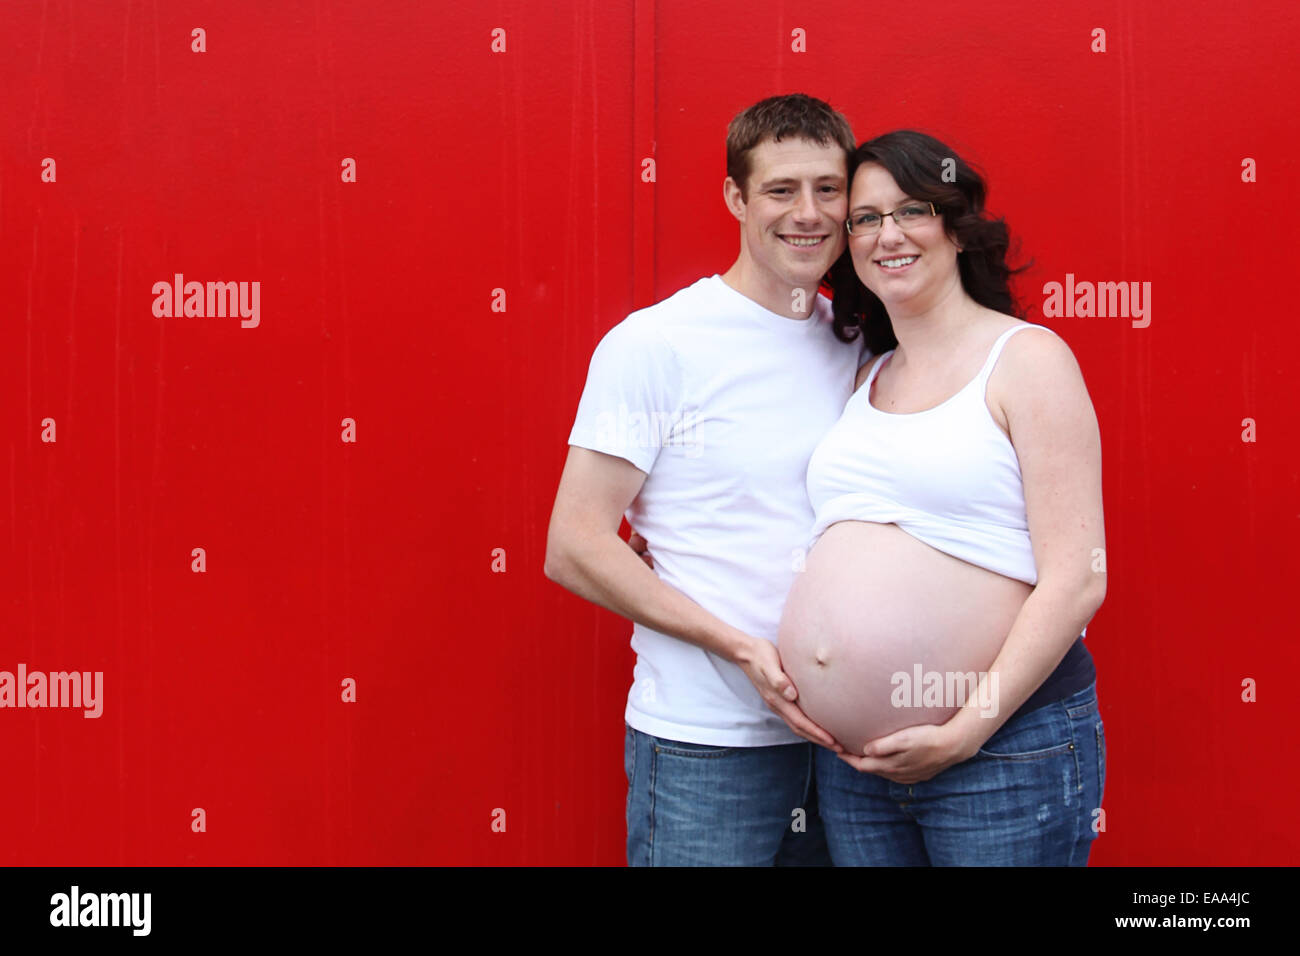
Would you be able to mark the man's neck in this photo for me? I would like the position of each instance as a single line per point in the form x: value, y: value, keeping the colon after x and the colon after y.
x: 773, y: 295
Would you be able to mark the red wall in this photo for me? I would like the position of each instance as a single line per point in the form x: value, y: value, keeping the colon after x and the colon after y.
x: 521, y: 171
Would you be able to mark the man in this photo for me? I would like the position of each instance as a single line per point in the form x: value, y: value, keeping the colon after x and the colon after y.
x: 697, y: 420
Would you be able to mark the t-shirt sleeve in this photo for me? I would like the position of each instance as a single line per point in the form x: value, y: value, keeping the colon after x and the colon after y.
x: 632, y: 395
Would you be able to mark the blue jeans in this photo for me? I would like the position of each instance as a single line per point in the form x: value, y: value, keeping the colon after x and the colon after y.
x: 702, y: 805
x: 1027, y: 798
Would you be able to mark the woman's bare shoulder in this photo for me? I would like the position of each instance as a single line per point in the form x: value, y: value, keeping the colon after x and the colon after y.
x: 1036, y: 372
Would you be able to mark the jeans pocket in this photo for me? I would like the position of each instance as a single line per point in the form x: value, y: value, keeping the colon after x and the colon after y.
x: 1037, y: 735
x: 680, y: 748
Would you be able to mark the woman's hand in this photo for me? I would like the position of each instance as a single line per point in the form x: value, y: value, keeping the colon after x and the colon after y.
x: 641, y: 547
x: 914, y: 754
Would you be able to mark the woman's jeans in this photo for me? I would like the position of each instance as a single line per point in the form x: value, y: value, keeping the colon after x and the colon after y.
x: 704, y: 805
x: 1029, y: 797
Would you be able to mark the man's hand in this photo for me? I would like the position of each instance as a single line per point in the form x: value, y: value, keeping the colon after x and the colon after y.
x: 641, y: 547
x: 762, y: 665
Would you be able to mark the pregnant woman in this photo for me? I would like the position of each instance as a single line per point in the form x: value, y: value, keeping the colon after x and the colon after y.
x: 959, y: 546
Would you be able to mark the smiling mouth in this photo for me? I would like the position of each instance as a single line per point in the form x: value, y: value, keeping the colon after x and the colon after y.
x: 896, y: 263
x: 803, y: 242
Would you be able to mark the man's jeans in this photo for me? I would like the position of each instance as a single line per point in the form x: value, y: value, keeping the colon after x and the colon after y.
x: 703, y: 805
x: 1029, y: 797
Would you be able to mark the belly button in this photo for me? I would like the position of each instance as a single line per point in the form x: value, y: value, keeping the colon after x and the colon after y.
x: 821, y: 658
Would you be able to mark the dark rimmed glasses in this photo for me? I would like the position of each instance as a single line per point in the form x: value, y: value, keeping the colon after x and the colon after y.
x: 908, y: 216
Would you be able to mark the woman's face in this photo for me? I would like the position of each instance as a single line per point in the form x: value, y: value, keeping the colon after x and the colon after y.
x: 909, y: 268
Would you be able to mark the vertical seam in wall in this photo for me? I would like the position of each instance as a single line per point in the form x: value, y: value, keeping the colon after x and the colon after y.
x: 643, y: 136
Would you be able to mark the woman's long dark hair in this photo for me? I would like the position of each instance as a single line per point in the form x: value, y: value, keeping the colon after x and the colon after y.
x: 919, y: 163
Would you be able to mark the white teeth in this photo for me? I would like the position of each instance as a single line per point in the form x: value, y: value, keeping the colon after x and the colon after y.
x: 805, y: 241
x: 895, y: 263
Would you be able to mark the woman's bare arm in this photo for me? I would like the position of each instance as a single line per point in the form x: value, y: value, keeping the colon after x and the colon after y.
x: 1052, y: 424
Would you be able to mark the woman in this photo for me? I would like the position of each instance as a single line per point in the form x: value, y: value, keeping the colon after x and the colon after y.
x: 959, y: 546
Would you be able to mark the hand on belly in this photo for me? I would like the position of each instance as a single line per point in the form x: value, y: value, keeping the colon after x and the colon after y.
x: 882, y: 632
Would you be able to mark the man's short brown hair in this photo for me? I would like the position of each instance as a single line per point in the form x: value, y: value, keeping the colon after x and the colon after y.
x: 781, y: 117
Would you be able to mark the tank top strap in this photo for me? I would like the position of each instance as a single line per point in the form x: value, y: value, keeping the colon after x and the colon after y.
x: 875, y: 367
x: 982, y: 379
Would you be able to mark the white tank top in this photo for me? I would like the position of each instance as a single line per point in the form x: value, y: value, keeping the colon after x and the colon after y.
x: 948, y: 475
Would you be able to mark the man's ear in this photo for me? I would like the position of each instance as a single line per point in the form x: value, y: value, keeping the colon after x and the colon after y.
x: 732, y: 197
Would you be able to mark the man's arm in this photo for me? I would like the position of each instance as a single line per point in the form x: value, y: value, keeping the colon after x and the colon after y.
x: 585, y: 555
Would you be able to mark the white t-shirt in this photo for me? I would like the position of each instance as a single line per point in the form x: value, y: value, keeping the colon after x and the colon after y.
x: 721, y: 403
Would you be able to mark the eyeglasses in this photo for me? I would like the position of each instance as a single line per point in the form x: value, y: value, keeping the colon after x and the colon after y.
x: 908, y: 217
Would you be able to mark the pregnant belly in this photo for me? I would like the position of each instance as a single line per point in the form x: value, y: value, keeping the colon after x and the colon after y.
x: 881, y: 631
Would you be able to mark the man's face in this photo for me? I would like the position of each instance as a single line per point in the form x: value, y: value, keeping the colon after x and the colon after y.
x: 793, y: 222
